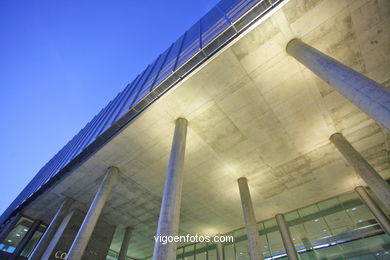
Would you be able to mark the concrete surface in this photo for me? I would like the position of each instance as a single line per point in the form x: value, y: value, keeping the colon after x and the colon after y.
x: 255, y: 112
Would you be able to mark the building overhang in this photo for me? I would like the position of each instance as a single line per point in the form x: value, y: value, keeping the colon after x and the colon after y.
x: 253, y: 111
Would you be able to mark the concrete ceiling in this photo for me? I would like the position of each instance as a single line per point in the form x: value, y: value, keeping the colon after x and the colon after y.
x: 253, y: 111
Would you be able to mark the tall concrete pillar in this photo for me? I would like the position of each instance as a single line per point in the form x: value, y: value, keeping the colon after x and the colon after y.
x: 379, y: 215
x: 125, y: 244
x: 376, y: 183
x: 79, y: 244
x: 168, y: 222
x: 9, y: 226
x: 371, y: 97
x: 22, y: 244
x: 286, y: 237
x: 72, y: 219
x: 51, y: 230
x: 254, y: 246
x: 219, y: 248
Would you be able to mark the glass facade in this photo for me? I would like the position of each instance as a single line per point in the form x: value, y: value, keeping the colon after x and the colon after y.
x: 337, y: 228
x: 16, y: 235
x: 112, y: 255
x: 33, y: 241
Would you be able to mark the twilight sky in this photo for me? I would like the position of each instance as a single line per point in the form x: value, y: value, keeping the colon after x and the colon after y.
x: 61, y: 61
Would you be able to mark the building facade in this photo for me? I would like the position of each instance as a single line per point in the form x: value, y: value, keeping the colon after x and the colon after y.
x: 267, y: 120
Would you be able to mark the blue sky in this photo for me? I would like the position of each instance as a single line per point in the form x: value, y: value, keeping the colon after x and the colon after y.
x: 61, y: 61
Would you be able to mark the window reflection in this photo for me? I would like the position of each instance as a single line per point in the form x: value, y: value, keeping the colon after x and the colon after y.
x: 337, y: 228
x: 201, y: 251
x: 16, y: 235
x: 33, y: 241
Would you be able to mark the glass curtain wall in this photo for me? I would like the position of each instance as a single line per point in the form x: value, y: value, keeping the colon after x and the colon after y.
x: 33, y: 241
x: 16, y: 235
x: 338, y: 228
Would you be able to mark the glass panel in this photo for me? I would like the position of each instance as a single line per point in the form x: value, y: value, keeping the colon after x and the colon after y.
x: 189, y: 252
x: 180, y: 254
x: 201, y: 251
x: 16, y: 235
x: 338, y: 228
x: 275, y: 243
x: 242, y: 252
x: 33, y: 241
x: 265, y: 245
x: 228, y: 252
x: 212, y: 253
x: 110, y: 257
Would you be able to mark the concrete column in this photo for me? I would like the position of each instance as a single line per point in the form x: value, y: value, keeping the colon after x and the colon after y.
x: 125, y: 244
x: 376, y: 183
x: 24, y: 241
x: 371, y: 97
x: 168, y: 222
x: 9, y: 226
x: 77, y: 249
x: 219, y: 248
x: 254, y: 246
x: 51, y: 230
x: 286, y: 237
x: 65, y: 234
x: 379, y: 215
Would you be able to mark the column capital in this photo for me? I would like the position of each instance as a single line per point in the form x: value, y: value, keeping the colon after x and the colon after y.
x: 113, y: 169
x: 242, y: 179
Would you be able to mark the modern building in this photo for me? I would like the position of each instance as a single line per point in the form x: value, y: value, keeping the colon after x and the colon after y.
x: 267, y: 120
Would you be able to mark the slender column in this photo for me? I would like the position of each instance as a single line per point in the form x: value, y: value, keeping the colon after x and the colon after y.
x: 219, y: 248
x: 69, y: 225
x: 77, y: 249
x: 25, y: 240
x: 51, y: 230
x: 286, y: 237
x: 168, y: 222
x: 371, y: 97
x: 250, y: 221
x: 379, y: 215
x: 125, y: 244
x: 9, y: 226
x: 377, y: 184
